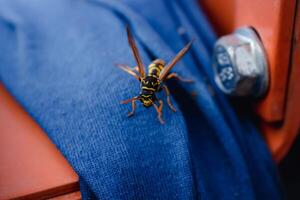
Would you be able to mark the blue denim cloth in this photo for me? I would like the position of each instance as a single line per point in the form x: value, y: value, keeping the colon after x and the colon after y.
x: 57, y: 59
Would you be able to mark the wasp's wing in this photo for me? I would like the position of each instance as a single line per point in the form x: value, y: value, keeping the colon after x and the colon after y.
x: 171, y: 64
x: 128, y: 70
x: 136, y: 53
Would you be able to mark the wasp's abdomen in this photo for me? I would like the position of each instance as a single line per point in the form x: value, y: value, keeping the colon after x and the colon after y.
x: 156, y: 67
x: 154, y: 70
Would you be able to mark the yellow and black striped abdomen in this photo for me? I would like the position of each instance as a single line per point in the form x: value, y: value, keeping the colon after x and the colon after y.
x: 156, y: 67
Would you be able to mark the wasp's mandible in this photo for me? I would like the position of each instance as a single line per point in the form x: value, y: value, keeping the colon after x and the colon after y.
x: 153, y: 81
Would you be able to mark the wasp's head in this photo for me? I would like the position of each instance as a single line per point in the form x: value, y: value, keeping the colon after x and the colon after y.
x: 147, y: 98
x: 146, y: 102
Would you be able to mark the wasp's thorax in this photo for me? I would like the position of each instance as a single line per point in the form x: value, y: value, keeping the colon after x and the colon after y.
x: 151, y: 84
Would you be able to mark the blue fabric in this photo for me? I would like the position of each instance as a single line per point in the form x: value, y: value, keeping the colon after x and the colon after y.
x: 57, y: 59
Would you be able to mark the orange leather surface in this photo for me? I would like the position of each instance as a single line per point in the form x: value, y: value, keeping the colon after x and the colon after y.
x: 70, y: 196
x: 31, y: 166
x: 275, y: 21
x: 280, y: 137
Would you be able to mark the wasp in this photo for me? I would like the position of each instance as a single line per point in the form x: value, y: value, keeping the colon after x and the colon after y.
x: 153, y: 81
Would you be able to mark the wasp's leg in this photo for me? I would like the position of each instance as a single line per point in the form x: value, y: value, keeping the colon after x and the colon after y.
x: 132, y: 100
x: 136, y: 68
x: 174, y: 75
x: 133, y: 109
x: 159, y: 111
x: 166, y: 89
x: 129, y: 71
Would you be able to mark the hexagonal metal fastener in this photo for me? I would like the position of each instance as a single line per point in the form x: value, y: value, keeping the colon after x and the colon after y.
x: 240, y: 64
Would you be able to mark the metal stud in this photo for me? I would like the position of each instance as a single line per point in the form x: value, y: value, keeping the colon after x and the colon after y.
x: 240, y: 64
